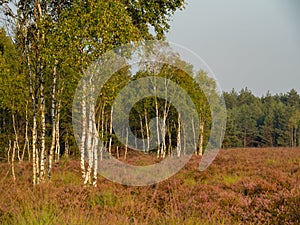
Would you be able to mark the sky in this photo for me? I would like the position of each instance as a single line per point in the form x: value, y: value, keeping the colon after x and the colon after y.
x: 246, y: 43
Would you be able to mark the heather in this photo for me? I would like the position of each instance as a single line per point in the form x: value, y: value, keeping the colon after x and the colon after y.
x: 242, y: 186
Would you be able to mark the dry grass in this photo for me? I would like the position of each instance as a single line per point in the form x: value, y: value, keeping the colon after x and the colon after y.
x: 242, y: 186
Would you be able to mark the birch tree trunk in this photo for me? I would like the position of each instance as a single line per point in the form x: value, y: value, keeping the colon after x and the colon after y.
x: 102, y: 131
x: 16, y: 136
x: 94, y: 145
x: 194, y: 137
x: 201, y: 138
x: 142, y: 133
x: 84, y: 127
x: 157, y: 128
x: 13, y: 162
x: 35, y: 158
x: 179, y: 136
x: 26, y: 144
x: 53, y: 117
x: 43, y: 128
x: 41, y: 39
x: 89, y: 147
x: 57, y: 133
x: 126, y: 144
x: 110, y: 130
x: 147, y: 130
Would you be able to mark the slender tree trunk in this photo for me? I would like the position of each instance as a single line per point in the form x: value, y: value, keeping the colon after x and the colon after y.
x: 157, y: 128
x: 95, y: 147
x: 16, y: 136
x: 170, y: 142
x: 164, y: 121
x: 66, y: 154
x: 26, y: 144
x: 110, y: 130
x: 43, y: 129
x: 53, y: 117
x: 8, y: 151
x: 102, y: 131
x: 178, y: 147
x: 147, y: 130
x: 40, y: 73
x: 126, y: 144
x: 57, y: 133
x: 194, y: 137
x: 90, y: 145
x: 142, y: 133
x: 184, y: 140
x: 84, y: 127
x: 35, y: 158
x: 200, y: 147
x: 13, y: 161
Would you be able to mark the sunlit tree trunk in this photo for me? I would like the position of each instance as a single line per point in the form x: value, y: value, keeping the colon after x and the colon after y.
x: 178, y: 147
x: 102, y: 131
x: 35, y: 157
x: 53, y: 117
x: 16, y: 136
x: 142, y: 133
x: 57, y: 133
x: 94, y: 146
x: 13, y: 161
x: 184, y: 139
x: 194, y: 137
x: 147, y: 130
x: 8, y: 151
x: 26, y: 144
x: 201, y: 139
x: 126, y: 144
x: 110, y: 130
x: 89, y: 146
x: 84, y: 128
x: 157, y: 128
x: 43, y: 129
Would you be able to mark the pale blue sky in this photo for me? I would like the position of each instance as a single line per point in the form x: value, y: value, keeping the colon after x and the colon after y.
x: 253, y: 43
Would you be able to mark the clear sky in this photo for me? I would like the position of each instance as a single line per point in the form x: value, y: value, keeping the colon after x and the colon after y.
x: 247, y: 43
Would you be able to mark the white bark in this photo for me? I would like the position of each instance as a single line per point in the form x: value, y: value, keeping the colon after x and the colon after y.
x: 110, y: 130
x: 57, y: 133
x: 126, y: 144
x: 142, y: 133
x: 157, y: 128
x: 179, y: 136
x: 16, y: 136
x: 147, y: 131
x: 26, y: 144
x: 194, y: 137
x: 200, y: 147
x: 53, y: 117
x: 84, y: 127
x: 43, y: 129
x: 13, y: 161
x: 89, y: 147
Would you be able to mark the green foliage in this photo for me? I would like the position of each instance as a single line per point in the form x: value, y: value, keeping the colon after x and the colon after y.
x: 13, y: 88
x: 266, y: 121
x: 65, y: 37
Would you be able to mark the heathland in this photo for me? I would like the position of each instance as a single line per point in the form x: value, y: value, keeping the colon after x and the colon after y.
x: 242, y: 186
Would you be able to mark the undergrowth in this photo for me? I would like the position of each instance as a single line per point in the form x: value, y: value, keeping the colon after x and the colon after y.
x: 248, y: 186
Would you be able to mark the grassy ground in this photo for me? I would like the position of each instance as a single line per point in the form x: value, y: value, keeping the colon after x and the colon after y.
x: 242, y: 186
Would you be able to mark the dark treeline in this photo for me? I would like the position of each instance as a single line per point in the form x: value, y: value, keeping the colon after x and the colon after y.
x: 267, y: 121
